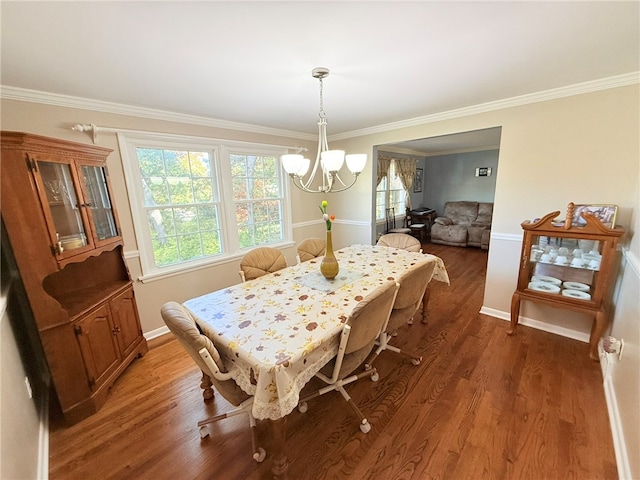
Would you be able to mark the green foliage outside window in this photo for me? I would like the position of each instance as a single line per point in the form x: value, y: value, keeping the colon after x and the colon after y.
x: 183, y: 206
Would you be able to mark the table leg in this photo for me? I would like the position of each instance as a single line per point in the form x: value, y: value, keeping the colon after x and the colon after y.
x: 206, y: 386
x: 280, y: 464
x: 425, y: 301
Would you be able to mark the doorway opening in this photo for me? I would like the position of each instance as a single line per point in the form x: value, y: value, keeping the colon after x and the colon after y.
x: 453, y: 167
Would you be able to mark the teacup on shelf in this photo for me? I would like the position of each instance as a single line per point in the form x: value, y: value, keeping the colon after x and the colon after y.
x: 577, y: 262
x: 561, y: 260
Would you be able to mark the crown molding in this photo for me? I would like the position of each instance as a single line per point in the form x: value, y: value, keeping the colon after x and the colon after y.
x: 553, y: 94
x: 36, y: 96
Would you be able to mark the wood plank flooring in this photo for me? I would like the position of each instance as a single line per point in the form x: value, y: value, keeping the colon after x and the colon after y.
x: 481, y: 405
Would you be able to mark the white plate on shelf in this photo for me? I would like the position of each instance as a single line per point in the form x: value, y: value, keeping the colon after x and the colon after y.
x: 567, y: 292
x: 545, y: 287
x: 544, y: 278
x: 583, y: 287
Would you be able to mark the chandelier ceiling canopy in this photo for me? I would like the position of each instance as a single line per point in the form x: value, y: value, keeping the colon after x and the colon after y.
x: 331, y: 161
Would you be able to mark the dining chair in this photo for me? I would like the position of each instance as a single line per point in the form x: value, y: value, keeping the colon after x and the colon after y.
x: 400, y: 240
x: 391, y: 223
x: 413, y: 284
x: 311, y: 248
x: 202, y: 350
x: 361, y: 329
x: 260, y: 261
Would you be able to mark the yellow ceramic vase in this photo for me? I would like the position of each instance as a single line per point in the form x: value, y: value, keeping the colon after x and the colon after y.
x: 329, y: 265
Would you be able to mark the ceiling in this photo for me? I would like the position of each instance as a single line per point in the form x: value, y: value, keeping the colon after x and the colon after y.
x: 251, y: 62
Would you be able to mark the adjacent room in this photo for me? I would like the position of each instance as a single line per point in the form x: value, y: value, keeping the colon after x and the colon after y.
x: 320, y: 240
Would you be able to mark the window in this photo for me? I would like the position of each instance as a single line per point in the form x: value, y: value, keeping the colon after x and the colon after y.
x: 196, y: 201
x: 390, y: 194
x: 258, y: 199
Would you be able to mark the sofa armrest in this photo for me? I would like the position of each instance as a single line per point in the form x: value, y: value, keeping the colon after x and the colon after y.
x: 443, y: 221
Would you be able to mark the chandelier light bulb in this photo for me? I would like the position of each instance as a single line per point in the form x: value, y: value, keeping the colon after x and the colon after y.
x: 291, y: 162
x: 332, y: 160
x: 304, y: 167
x: 356, y: 162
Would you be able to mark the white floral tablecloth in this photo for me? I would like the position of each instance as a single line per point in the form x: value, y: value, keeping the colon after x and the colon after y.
x: 279, y: 330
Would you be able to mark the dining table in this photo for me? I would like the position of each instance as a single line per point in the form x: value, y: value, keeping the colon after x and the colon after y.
x: 277, y: 331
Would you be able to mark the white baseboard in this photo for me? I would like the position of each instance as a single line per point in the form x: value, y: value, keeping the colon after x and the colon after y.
x: 158, y: 332
x: 43, y: 437
x: 619, y: 445
x: 538, y: 325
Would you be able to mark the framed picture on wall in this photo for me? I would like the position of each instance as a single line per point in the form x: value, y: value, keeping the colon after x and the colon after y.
x: 417, y: 181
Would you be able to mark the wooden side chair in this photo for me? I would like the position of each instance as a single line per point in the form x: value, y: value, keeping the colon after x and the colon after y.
x: 418, y: 230
x: 400, y: 240
x: 202, y: 350
x: 311, y: 248
x: 361, y: 329
x: 413, y: 285
x: 391, y: 223
x: 260, y: 261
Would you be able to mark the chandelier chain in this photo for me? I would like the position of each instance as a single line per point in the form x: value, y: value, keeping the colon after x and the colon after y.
x: 322, y: 114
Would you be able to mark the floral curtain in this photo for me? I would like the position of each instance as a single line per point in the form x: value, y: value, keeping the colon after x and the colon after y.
x: 406, y: 170
x: 383, y: 168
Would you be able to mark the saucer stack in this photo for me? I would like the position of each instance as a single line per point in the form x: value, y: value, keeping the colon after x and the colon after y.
x: 576, y: 290
x: 542, y: 283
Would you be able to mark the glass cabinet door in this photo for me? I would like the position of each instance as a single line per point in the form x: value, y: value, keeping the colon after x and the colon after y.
x: 99, y: 202
x: 61, y: 196
x: 565, y: 266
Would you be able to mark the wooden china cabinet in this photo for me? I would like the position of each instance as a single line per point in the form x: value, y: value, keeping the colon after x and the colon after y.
x: 568, y: 266
x: 64, y: 232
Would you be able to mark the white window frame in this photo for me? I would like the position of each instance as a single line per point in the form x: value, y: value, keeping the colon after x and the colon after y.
x: 219, y: 151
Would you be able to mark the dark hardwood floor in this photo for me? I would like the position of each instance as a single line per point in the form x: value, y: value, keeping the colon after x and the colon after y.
x: 481, y: 405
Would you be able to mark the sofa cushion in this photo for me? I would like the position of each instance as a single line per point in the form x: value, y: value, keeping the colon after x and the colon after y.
x: 443, y: 221
x: 462, y: 213
x: 454, y: 234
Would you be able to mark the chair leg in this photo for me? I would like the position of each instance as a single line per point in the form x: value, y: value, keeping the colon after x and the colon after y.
x: 365, y: 427
x: 383, y: 344
x: 259, y: 453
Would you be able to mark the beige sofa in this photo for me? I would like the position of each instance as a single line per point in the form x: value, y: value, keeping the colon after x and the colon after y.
x: 464, y: 224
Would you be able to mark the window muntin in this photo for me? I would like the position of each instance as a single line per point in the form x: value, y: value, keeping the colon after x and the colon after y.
x: 198, y: 202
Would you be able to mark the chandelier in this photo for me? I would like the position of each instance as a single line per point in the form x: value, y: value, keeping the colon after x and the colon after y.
x: 330, y: 161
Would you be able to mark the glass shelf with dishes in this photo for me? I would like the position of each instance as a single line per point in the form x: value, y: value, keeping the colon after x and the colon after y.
x: 564, y: 266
